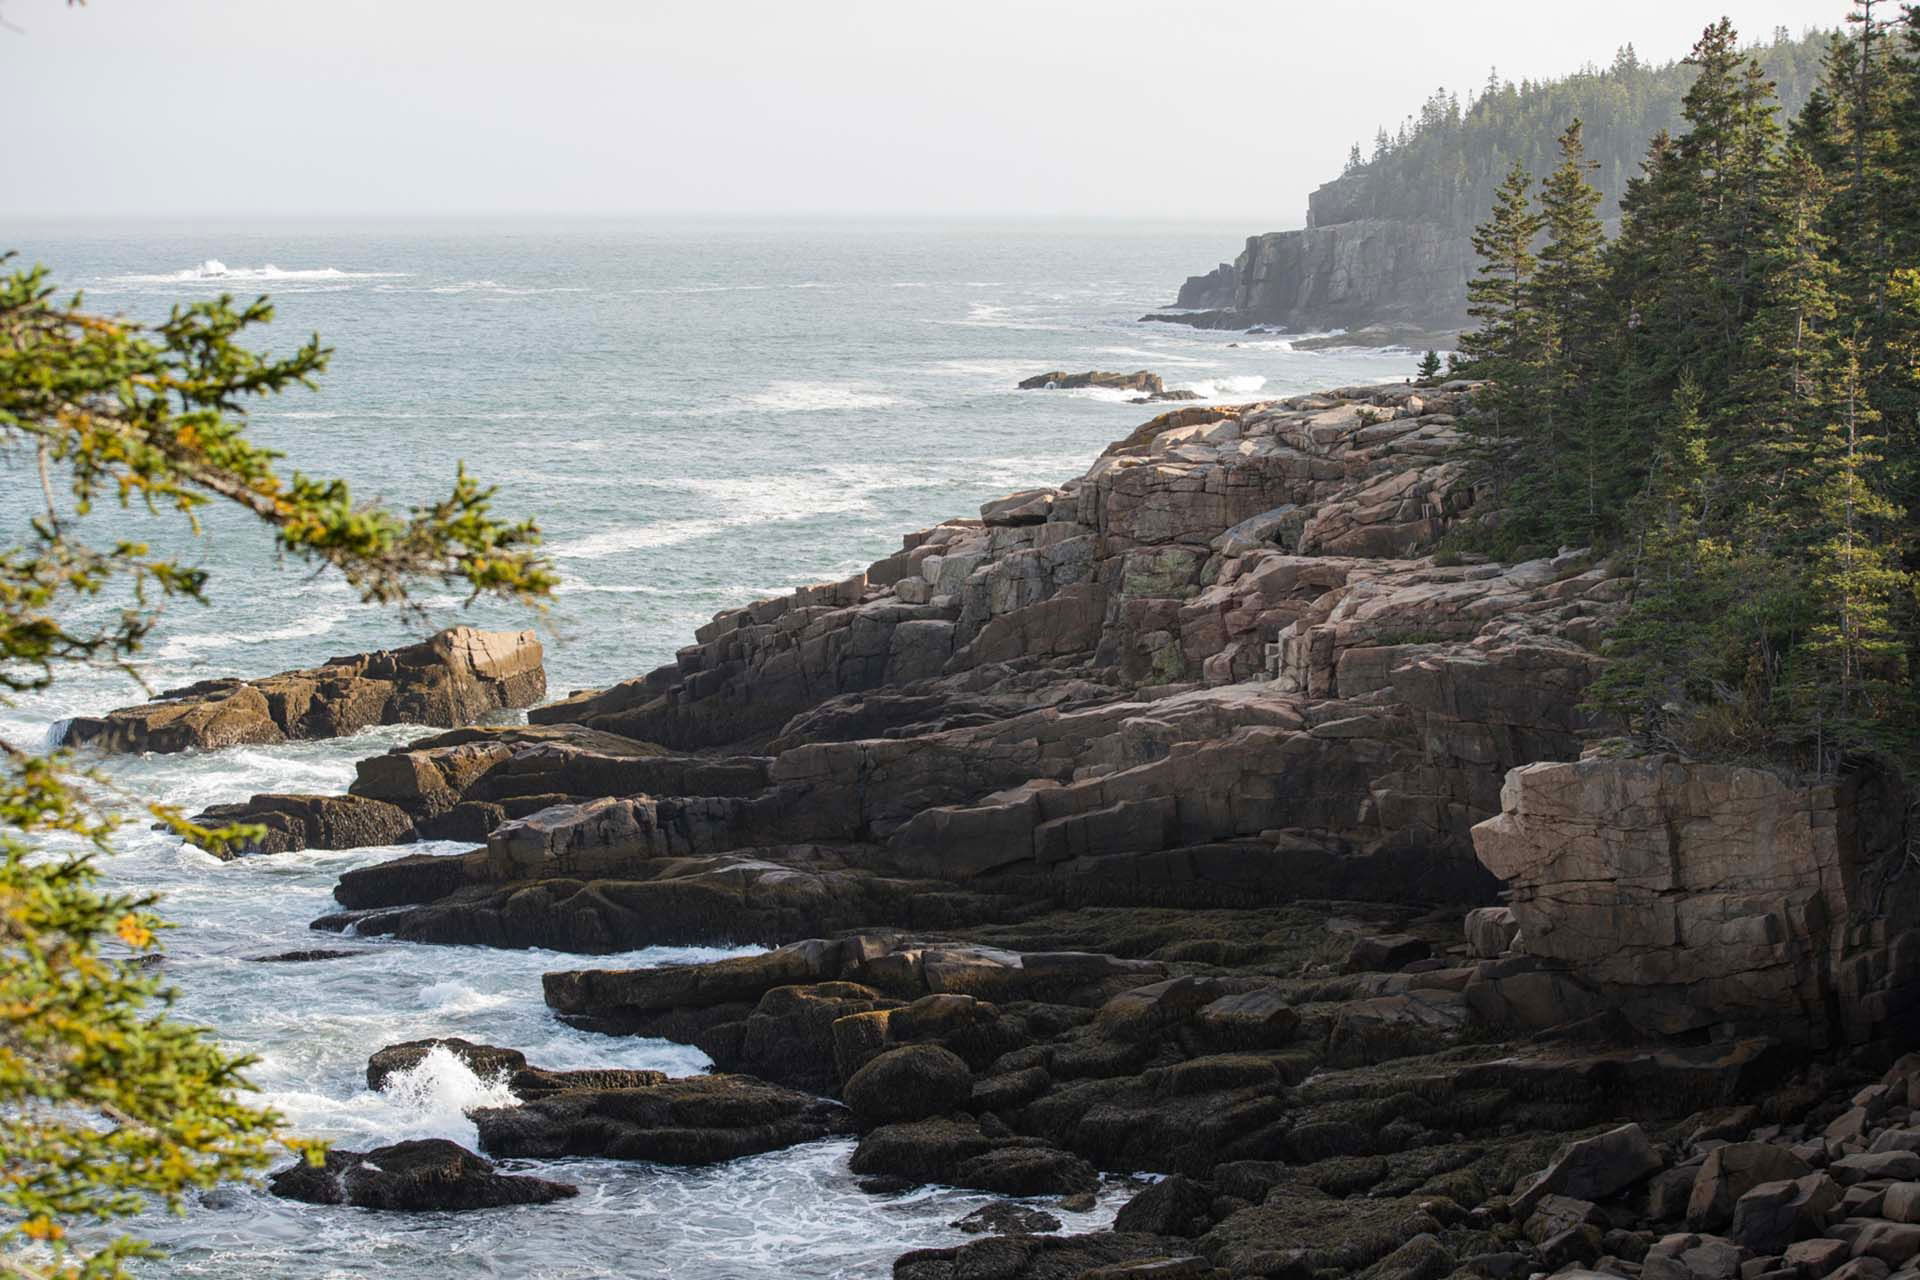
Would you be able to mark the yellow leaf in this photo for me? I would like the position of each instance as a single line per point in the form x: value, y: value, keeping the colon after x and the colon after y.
x: 132, y: 932
x: 42, y: 1228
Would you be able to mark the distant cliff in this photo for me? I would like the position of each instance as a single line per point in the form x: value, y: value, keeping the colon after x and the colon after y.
x: 1371, y: 271
x: 1388, y: 244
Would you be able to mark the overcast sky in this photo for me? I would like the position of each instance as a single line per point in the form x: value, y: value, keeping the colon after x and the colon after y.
x: 1214, y: 109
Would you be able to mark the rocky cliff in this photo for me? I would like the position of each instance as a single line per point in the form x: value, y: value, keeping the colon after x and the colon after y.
x: 1133, y: 826
x: 1399, y: 275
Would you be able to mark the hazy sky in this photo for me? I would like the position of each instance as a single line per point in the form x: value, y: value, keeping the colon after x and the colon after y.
x: 1215, y: 109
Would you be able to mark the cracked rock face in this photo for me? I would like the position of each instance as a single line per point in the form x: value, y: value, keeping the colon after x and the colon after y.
x: 1691, y: 895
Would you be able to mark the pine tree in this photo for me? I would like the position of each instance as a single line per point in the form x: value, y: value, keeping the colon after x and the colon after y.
x: 1853, y: 677
x: 1505, y: 348
x: 1429, y: 369
x: 1784, y: 386
x: 1566, y: 295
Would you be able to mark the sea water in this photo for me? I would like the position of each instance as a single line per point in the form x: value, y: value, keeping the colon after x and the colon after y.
x: 699, y: 415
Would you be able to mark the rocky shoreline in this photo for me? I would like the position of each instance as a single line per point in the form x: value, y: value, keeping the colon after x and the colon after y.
x: 1158, y: 823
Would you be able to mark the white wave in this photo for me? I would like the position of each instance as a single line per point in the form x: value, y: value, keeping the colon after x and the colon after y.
x: 480, y: 286
x: 993, y: 315
x: 430, y: 1099
x: 1106, y: 395
x: 614, y: 542
x: 809, y: 397
x: 453, y: 996
x: 813, y: 284
x: 1163, y: 357
x: 214, y: 271
x: 183, y: 647
x: 911, y: 284
x: 1215, y: 388
x: 705, y: 288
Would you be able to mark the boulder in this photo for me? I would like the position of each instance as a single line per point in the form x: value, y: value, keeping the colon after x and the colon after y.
x: 1008, y: 1218
x: 957, y: 1152
x: 1592, y: 1168
x: 1174, y: 1206
x: 484, y: 1060
x: 1491, y: 931
x: 427, y: 1175
x: 909, y: 1083
x: 295, y: 822
x: 1772, y: 1215
x: 1732, y: 1171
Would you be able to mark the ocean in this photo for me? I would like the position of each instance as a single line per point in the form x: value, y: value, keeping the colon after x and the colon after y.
x: 699, y: 414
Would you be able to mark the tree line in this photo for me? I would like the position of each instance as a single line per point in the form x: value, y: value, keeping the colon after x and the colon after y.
x: 1444, y: 165
x: 1726, y: 396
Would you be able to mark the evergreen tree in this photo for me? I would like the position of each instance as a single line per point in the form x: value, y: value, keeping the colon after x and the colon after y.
x: 1429, y: 369
x: 1573, y: 443
x: 1505, y: 348
x: 1852, y: 683
x: 1783, y: 387
x: 1744, y: 359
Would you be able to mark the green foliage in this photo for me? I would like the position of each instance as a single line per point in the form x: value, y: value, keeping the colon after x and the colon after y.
x: 1446, y: 165
x: 106, y: 1102
x: 1726, y: 396
x: 1429, y: 370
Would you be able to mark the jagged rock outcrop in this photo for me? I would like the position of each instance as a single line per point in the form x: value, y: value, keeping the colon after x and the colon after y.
x: 1059, y: 380
x: 1222, y: 666
x: 1696, y: 896
x: 451, y: 678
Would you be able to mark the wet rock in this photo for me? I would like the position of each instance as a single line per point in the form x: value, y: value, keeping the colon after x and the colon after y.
x: 1008, y: 1218
x: 305, y: 957
x: 957, y: 1152
x: 1174, y: 1206
x: 693, y: 1121
x: 308, y: 822
x: 484, y: 1060
x: 414, y: 1177
x: 1104, y: 1255
x: 909, y: 1083
x: 452, y: 678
